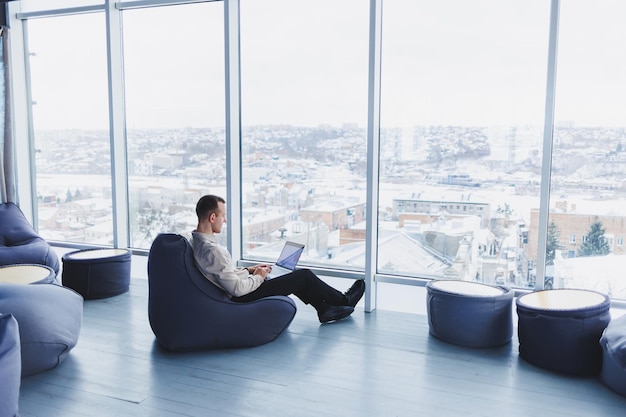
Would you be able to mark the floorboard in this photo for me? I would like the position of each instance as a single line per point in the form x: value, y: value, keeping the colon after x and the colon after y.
x: 372, y: 364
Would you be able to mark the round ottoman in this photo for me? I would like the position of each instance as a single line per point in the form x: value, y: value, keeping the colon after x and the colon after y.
x: 27, y: 274
x: 97, y: 273
x: 469, y: 313
x: 560, y: 330
x: 613, y: 345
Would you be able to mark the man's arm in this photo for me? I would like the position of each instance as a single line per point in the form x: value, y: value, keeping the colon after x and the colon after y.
x: 216, y: 265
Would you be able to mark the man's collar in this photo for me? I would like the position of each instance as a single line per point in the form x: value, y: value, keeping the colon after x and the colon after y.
x: 204, y: 236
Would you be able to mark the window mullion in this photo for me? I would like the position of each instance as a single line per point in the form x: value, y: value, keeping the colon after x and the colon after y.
x: 233, y: 126
x: 546, y: 165
x: 373, y: 142
x: 119, y: 157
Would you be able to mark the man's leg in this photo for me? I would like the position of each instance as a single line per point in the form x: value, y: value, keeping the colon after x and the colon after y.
x: 302, y: 283
x: 330, y: 304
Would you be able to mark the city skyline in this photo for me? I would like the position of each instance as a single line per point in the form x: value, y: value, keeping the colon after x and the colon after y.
x: 275, y: 187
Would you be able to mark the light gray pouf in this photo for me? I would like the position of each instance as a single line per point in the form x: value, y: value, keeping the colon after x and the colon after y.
x: 49, y: 317
x: 10, y: 365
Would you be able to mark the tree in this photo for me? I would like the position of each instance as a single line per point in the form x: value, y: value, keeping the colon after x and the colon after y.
x: 552, y: 244
x: 506, y: 210
x: 151, y: 222
x: 594, y: 243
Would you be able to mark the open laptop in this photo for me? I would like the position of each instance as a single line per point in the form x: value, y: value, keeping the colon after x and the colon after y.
x: 287, y: 261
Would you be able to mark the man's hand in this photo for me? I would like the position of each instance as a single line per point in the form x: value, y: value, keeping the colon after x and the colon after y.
x: 260, y: 269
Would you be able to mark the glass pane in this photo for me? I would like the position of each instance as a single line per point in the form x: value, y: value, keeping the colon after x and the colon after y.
x: 38, y: 5
x: 304, y: 117
x: 462, y: 110
x: 588, y: 198
x: 70, y: 120
x: 174, y: 81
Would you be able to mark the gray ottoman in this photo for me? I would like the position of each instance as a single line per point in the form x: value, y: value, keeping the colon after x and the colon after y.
x: 613, y: 344
x: 469, y: 313
x: 97, y: 273
x: 560, y: 330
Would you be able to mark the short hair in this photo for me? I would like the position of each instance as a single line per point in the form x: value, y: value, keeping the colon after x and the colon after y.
x: 208, y: 204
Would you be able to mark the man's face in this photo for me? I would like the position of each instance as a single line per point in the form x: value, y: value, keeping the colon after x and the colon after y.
x: 219, y: 218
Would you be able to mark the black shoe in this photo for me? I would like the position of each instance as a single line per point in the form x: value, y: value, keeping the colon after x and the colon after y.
x: 332, y: 313
x: 354, y: 294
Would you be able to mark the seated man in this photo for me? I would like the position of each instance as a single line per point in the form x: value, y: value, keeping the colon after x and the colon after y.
x: 249, y: 284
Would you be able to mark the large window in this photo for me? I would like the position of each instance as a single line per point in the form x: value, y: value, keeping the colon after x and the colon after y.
x: 462, y: 111
x: 304, y: 118
x: 67, y: 57
x: 174, y: 82
x: 461, y: 175
x: 588, y: 194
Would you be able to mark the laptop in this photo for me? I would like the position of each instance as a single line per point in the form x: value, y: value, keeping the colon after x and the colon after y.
x: 287, y: 261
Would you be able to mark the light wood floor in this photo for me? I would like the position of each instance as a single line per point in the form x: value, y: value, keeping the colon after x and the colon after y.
x: 371, y: 364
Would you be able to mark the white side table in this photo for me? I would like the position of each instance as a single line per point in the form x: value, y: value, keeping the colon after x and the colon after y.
x: 27, y: 274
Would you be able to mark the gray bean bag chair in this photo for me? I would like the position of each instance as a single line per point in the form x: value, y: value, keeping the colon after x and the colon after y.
x: 188, y: 312
x: 613, y: 344
x: 49, y: 318
x: 20, y: 244
x: 10, y: 366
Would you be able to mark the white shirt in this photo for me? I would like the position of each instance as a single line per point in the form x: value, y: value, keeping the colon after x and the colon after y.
x: 215, y: 263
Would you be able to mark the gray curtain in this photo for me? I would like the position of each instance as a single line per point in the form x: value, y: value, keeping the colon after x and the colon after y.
x: 7, y: 155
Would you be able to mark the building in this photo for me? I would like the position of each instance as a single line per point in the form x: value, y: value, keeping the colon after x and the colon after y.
x: 336, y: 214
x: 463, y: 205
x: 573, y: 227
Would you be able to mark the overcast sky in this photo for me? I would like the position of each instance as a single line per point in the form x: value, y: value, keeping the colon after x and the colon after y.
x: 305, y: 63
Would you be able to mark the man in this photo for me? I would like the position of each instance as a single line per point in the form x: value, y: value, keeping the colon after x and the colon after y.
x: 249, y: 284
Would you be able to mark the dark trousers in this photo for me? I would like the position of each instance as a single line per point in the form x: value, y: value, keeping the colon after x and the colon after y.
x: 302, y: 283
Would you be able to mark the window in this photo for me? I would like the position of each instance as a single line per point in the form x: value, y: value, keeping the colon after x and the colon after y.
x: 463, y: 92
x: 589, y: 155
x: 175, y: 115
x: 304, y: 116
x: 70, y: 123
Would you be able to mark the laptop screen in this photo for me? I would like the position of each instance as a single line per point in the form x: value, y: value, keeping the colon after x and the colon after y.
x: 290, y: 255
